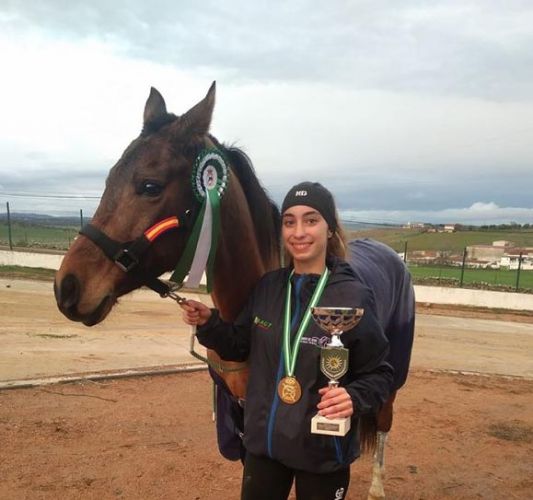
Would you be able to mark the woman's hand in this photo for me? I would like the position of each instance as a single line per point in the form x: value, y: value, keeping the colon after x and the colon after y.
x: 195, y: 313
x: 335, y: 403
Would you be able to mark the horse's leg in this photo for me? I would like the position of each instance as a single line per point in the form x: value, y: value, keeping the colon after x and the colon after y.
x: 384, y: 424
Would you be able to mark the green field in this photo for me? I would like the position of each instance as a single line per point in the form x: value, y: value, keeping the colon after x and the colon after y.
x: 40, y: 236
x: 60, y: 238
x: 453, y: 242
x: 486, y: 277
x: 37, y: 236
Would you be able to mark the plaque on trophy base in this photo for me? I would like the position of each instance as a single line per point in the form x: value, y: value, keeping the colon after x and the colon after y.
x: 330, y: 426
x: 334, y: 360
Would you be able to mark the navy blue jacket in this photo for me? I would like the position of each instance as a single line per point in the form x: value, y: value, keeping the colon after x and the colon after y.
x: 273, y: 428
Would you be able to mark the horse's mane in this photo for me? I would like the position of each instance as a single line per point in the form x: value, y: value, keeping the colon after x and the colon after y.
x: 265, y: 214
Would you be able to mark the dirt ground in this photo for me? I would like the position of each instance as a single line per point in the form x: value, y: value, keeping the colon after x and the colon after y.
x: 454, y: 436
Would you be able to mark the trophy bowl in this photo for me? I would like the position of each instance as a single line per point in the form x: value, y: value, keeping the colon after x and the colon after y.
x: 334, y: 360
x: 336, y: 320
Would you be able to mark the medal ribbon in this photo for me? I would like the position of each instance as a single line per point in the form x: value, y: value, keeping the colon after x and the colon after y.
x: 290, y: 356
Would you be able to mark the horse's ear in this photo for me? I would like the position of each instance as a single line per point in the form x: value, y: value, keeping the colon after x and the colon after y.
x: 155, y: 107
x: 198, y: 119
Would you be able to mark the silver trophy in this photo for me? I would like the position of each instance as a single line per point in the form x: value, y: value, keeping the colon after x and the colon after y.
x: 334, y: 359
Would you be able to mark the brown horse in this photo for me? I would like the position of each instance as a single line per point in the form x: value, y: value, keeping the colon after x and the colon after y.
x: 152, y: 183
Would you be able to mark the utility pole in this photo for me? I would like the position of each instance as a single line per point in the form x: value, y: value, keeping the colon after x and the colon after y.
x: 9, y: 227
x: 463, y: 268
x: 518, y: 271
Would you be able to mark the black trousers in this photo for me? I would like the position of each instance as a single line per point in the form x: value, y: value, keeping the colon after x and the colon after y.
x: 266, y: 479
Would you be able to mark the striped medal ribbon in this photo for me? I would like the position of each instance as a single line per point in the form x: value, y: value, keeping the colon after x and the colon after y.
x: 289, y: 389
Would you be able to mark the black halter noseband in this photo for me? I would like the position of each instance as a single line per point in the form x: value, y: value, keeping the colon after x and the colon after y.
x: 128, y: 255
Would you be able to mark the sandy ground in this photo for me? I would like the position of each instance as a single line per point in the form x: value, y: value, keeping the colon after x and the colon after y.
x: 144, y: 331
x: 455, y: 435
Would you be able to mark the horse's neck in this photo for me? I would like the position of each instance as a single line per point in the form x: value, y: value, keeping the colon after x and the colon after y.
x: 238, y: 268
x: 238, y: 265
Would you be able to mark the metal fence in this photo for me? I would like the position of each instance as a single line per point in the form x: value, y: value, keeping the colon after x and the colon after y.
x: 26, y: 229
x: 506, y: 270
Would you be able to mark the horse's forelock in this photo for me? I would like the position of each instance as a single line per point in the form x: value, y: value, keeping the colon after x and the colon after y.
x: 153, y: 126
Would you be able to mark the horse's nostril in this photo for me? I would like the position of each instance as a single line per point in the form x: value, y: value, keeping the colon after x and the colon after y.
x: 69, y: 291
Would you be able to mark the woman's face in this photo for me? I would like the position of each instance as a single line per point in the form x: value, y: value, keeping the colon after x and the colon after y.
x: 305, y: 236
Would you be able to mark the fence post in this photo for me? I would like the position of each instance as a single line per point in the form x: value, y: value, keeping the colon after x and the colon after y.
x: 463, y: 269
x: 9, y: 227
x: 518, y: 271
x: 81, y: 218
x: 405, y: 252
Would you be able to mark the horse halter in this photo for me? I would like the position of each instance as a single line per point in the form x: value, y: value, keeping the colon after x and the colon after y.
x: 128, y: 255
x: 209, y: 182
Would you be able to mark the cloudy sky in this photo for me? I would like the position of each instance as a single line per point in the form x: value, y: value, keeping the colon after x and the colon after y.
x: 411, y: 110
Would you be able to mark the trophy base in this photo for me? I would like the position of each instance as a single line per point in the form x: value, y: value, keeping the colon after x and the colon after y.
x: 330, y: 426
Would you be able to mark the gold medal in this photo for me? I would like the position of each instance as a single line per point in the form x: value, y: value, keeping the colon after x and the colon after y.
x: 289, y: 390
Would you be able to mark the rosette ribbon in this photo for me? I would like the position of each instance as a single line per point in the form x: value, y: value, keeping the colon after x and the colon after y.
x: 209, y: 180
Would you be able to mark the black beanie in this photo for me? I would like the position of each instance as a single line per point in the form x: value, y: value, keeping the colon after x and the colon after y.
x: 315, y: 195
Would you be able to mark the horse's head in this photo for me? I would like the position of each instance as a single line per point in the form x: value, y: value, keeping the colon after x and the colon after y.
x: 150, y: 183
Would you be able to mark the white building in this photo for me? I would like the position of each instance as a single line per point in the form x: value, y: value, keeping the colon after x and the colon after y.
x: 510, y: 260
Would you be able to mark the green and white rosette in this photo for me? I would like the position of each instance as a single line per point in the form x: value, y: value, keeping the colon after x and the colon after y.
x: 209, y: 182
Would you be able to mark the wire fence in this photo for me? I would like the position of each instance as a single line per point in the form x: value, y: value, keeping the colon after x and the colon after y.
x: 27, y: 229
x: 502, y: 267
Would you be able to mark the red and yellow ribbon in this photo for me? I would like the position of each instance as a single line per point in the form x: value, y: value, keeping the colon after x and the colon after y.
x: 161, y: 227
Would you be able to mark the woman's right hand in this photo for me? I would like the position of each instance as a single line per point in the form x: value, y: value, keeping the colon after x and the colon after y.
x: 195, y: 313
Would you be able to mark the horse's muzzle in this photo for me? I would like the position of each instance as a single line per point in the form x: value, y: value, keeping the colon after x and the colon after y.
x: 68, y: 293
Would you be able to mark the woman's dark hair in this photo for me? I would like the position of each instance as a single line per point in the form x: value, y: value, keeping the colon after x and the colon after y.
x: 337, y: 242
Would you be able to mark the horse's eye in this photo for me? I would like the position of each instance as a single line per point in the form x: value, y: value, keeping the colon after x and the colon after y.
x: 151, y: 188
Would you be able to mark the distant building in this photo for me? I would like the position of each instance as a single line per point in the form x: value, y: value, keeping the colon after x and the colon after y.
x: 510, y: 259
x: 486, y: 253
x: 503, y: 243
x: 450, y: 228
x: 416, y: 225
x: 489, y: 253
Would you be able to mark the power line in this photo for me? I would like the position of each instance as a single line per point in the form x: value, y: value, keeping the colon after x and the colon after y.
x: 371, y: 222
x: 380, y: 223
x: 53, y: 196
x: 366, y: 223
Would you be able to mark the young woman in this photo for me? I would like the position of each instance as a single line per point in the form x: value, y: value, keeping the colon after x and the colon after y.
x: 286, y: 386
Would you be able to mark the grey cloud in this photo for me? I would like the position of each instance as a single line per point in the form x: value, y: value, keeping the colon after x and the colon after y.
x: 375, y: 191
x: 57, y: 179
x: 458, y: 48
x: 358, y: 192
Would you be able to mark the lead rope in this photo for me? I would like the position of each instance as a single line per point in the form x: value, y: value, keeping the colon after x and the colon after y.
x: 217, y: 366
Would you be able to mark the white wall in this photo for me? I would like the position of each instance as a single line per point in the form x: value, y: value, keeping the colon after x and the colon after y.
x: 467, y: 296
x: 429, y: 294
x: 28, y: 259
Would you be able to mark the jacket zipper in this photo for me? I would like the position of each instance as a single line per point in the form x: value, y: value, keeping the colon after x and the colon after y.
x: 275, y: 402
x: 338, y: 449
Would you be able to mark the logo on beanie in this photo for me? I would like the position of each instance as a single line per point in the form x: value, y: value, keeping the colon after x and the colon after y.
x: 300, y: 193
